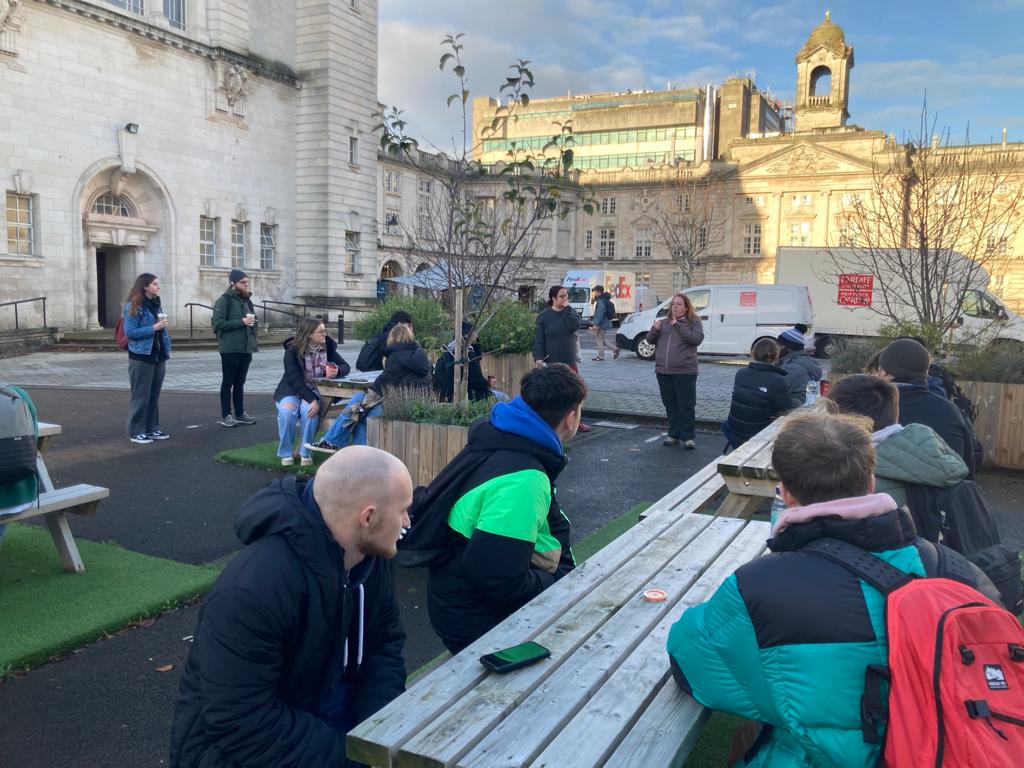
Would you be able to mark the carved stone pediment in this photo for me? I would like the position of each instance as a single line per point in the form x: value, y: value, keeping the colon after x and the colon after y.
x: 804, y: 160
x: 101, y: 229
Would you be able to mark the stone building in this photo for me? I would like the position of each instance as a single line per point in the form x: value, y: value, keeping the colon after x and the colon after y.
x: 184, y: 138
x: 726, y: 147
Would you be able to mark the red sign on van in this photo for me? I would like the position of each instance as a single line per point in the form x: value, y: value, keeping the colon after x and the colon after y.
x: 855, y: 290
x: 748, y: 298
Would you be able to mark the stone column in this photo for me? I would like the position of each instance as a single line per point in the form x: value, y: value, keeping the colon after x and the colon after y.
x: 92, y: 318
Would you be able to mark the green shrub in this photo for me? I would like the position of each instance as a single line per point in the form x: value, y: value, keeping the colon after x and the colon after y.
x: 509, y: 330
x: 416, y: 405
x: 430, y: 322
x: 1000, y: 363
x: 852, y: 356
x: 933, y: 337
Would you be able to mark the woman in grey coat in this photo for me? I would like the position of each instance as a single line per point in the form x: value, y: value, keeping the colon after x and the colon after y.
x: 676, y: 338
x: 799, y: 366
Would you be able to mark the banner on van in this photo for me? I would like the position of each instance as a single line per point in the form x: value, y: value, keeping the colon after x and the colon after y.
x: 855, y: 290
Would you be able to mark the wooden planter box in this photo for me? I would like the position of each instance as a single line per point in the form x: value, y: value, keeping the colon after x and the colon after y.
x: 424, y: 448
x: 508, y: 368
x: 1000, y: 421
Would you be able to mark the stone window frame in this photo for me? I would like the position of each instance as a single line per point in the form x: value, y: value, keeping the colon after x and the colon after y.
x: 209, y: 231
x: 752, y: 238
x: 25, y: 232
x: 606, y: 242
x: 393, y: 182
x: 352, y: 251
x: 268, y: 246
x: 609, y: 205
x: 107, y: 204
x: 137, y: 7
x: 644, y: 242
x: 800, y: 231
x: 239, y: 243
x: 353, y: 151
x: 175, y: 11
x: 588, y: 240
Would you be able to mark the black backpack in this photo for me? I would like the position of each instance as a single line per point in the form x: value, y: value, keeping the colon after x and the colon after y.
x: 17, y: 436
x: 609, y: 309
x: 371, y: 356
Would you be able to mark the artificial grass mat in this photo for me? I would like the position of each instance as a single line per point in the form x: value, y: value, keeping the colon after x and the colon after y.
x: 264, y: 456
x: 47, y: 610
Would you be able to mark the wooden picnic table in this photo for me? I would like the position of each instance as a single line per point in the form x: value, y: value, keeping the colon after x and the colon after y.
x: 748, y: 471
x: 605, y: 697
x: 342, y: 388
x: 54, y: 502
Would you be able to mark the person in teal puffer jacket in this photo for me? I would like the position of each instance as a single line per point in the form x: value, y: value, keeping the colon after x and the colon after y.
x: 785, y: 640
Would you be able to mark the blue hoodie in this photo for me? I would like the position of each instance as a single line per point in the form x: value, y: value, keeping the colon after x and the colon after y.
x: 520, y: 419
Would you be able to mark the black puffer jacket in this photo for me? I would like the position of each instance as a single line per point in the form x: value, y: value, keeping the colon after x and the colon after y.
x: 759, y: 394
x: 554, y: 339
x: 293, y: 382
x: 268, y: 647
x: 919, y: 405
x: 405, y: 365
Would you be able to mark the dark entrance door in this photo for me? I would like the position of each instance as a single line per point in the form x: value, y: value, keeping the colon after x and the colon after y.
x: 101, y: 289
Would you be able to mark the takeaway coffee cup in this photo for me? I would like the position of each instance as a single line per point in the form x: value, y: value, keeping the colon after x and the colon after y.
x: 251, y: 316
x: 161, y: 316
x: 332, y: 370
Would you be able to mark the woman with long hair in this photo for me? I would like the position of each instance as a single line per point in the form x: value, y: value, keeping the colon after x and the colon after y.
x: 149, y: 348
x: 308, y: 355
x: 555, y: 337
x: 405, y: 367
x: 676, y: 338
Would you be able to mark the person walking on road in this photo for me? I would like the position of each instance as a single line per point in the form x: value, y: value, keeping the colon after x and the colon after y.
x: 603, y: 314
x: 555, y: 337
x: 676, y: 338
x: 234, y: 322
x: 149, y: 348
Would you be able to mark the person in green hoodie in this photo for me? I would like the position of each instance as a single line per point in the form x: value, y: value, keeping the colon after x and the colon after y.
x: 911, y: 454
x: 234, y: 322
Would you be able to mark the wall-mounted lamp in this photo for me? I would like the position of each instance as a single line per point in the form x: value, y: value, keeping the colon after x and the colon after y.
x: 132, y: 127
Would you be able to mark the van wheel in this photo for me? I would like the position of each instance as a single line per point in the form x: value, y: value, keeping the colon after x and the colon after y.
x: 824, y: 347
x: 644, y: 348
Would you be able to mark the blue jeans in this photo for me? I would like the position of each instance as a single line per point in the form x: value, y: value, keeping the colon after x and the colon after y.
x: 290, y: 410
x: 341, y: 435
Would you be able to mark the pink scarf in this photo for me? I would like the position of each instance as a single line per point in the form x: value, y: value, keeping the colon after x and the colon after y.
x: 856, y: 508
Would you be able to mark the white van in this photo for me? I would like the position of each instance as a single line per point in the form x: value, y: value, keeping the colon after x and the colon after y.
x: 734, y: 317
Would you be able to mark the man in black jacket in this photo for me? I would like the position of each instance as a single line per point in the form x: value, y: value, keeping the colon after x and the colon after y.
x: 371, y: 356
x: 299, y: 639
x: 905, y: 362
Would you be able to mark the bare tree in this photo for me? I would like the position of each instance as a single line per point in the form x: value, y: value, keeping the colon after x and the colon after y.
x: 690, y: 226
x: 937, y: 218
x: 480, y: 227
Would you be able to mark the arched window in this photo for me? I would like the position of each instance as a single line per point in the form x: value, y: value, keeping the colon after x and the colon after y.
x: 821, y: 81
x: 109, y: 205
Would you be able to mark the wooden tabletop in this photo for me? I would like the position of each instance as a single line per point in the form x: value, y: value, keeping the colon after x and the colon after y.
x: 46, y: 429
x: 748, y: 470
x: 605, y: 697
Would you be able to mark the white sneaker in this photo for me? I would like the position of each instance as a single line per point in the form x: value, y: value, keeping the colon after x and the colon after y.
x: 287, y: 461
x: 306, y: 461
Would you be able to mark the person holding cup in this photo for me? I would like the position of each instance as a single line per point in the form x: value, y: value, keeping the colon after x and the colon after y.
x: 149, y: 348
x: 308, y: 355
x: 234, y: 322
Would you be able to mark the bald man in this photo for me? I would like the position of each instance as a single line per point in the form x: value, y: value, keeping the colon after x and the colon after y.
x: 299, y: 639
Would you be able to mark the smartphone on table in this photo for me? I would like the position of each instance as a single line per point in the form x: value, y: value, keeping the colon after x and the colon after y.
x: 515, y: 657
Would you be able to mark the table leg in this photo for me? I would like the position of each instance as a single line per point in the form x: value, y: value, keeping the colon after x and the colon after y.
x: 739, y: 505
x: 64, y: 542
x: 325, y: 403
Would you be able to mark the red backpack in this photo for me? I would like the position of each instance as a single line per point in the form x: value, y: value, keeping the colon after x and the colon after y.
x: 119, y: 334
x: 955, y: 668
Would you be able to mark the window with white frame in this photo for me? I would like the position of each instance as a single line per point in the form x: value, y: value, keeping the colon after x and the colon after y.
x: 751, y: 239
x: 268, y: 246
x: 642, y: 279
x: 608, y: 206
x: 678, y: 284
x: 20, y: 225
x: 588, y: 240
x: 849, y: 233
x: 606, y: 243
x: 996, y: 243
x: 208, y: 241
x: 754, y: 201
x: 108, y: 204
x: 851, y: 199
x: 643, y: 243
x: 132, y: 6
x: 801, y: 200
x: 239, y: 236
x: 683, y: 202
x: 800, y: 233
x: 392, y: 223
x: 174, y: 10
x: 392, y: 181
x: 351, y: 252
x: 353, y: 150
x: 702, y: 238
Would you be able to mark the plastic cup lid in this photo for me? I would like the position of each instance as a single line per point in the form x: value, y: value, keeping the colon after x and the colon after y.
x: 655, y: 595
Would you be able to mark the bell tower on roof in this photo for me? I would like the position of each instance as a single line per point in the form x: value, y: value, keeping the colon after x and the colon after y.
x: 823, y: 78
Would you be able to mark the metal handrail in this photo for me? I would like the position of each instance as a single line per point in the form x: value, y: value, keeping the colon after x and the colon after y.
x: 25, y: 301
x: 341, y: 317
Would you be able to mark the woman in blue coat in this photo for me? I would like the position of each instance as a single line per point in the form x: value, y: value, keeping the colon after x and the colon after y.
x: 149, y: 347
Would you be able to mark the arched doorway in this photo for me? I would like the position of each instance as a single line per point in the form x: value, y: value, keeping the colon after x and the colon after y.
x: 127, y: 225
x: 385, y: 287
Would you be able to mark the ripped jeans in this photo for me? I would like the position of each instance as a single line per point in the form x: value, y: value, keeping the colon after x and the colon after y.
x: 290, y: 410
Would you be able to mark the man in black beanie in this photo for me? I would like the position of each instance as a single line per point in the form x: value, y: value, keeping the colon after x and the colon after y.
x: 234, y: 322
x: 905, y: 362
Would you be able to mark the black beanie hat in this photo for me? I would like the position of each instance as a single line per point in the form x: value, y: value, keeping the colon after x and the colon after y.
x: 905, y: 360
x: 235, y: 276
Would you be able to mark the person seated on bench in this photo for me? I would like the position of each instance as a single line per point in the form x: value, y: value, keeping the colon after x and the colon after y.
x: 785, y: 640
x: 299, y: 639
x: 405, y: 367
x: 759, y: 394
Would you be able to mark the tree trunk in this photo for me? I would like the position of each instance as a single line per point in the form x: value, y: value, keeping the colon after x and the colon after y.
x: 459, y: 389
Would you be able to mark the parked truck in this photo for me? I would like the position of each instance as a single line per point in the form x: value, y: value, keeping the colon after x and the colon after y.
x: 846, y: 299
x: 626, y: 295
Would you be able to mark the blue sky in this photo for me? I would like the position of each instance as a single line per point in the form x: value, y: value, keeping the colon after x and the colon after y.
x: 966, y: 54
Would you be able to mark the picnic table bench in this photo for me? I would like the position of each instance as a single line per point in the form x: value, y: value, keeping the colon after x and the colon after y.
x: 605, y: 697
x: 342, y: 388
x: 53, y: 503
